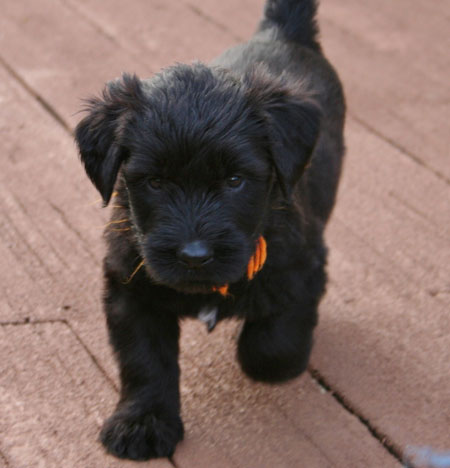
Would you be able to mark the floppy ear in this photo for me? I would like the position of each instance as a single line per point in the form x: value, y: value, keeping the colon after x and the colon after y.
x: 293, y: 123
x: 100, y: 134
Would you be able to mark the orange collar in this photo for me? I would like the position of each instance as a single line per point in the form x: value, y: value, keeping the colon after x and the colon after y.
x: 254, y: 265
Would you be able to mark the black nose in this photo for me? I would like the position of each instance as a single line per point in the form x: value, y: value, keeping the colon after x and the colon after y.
x: 195, y: 254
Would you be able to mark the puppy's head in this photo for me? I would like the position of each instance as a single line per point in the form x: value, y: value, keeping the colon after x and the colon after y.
x: 201, y: 155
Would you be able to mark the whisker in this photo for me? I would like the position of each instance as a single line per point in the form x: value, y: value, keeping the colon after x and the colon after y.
x: 127, y: 281
x: 96, y: 202
x: 119, y: 221
x: 99, y: 200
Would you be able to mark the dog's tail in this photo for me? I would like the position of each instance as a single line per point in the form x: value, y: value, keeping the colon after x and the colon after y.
x: 295, y: 19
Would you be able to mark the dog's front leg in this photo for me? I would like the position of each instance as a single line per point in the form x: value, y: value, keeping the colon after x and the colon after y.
x: 146, y: 422
x: 276, y: 347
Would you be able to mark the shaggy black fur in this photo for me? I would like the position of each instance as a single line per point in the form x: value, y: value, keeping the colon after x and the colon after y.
x: 205, y: 159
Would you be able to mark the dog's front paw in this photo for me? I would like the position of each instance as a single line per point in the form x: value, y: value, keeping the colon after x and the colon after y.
x: 140, y: 436
x: 275, y: 349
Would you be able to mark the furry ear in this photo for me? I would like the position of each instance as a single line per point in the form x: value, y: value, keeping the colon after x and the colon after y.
x: 293, y: 124
x: 100, y: 134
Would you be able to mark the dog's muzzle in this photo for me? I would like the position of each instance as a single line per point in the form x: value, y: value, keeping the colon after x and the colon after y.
x: 196, y: 254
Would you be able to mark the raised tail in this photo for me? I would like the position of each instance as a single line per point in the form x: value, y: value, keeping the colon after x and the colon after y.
x: 295, y: 19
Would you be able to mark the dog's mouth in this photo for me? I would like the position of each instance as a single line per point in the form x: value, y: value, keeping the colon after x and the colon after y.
x: 206, y: 280
x: 194, y: 287
x: 194, y: 283
x: 200, y: 281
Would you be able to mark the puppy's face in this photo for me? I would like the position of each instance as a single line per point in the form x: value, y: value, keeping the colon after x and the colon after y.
x: 197, y: 207
x: 198, y: 155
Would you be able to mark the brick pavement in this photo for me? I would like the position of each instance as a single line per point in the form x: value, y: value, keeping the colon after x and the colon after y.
x: 379, y: 375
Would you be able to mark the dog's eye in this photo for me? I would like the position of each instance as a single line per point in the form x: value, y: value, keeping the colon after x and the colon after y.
x: 155, y: 183
x: 234, y: 181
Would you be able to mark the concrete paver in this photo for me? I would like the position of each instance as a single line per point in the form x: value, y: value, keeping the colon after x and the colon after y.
x: 42, y: 248
x: 383, y: 338
x: 297, y: 424
x: 146, y: 29
x: 3, y: 462
x: 386, y: 312
x: 205, y: 440
x: 67, y: 61
x: 397, y: 71
x: 53, y: 400
x: 379, y: 332
x: 410, y: 207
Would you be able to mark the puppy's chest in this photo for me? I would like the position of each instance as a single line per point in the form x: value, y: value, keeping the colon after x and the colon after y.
x: 209, y: 315
x: 212, y: 314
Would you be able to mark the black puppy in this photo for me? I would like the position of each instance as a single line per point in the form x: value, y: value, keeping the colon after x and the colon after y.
x: 211, y: 165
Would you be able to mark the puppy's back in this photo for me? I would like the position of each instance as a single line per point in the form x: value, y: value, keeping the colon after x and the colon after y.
x: 285, y: 47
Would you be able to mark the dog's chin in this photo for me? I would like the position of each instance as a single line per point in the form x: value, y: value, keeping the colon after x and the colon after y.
x: 194, y: 283
x: 193, y: 288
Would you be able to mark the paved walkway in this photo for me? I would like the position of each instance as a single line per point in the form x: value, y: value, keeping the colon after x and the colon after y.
x: 379, y: 379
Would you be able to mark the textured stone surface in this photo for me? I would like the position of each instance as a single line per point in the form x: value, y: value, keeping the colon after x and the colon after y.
x: 384, y: 337
x: 53, y: 400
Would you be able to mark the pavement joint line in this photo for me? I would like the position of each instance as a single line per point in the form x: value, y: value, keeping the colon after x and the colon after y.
x: 198, y: 11
x: 434, y: 294
x: 75, y: 9
x: 73, y: 229
x: 50, y: 109
x: 96, y: 25
x: 393, y: 266
x: 422, y: 215
x: 31, y: 250
x: 398, y: 147
x: 91, y: 355
x: 65, y: 322
x: 27, y: 321
x: 44, y: 104
x: 382, y: 438
x: 100, y: 367
x: 306, y: 435
x: 26, y: 212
